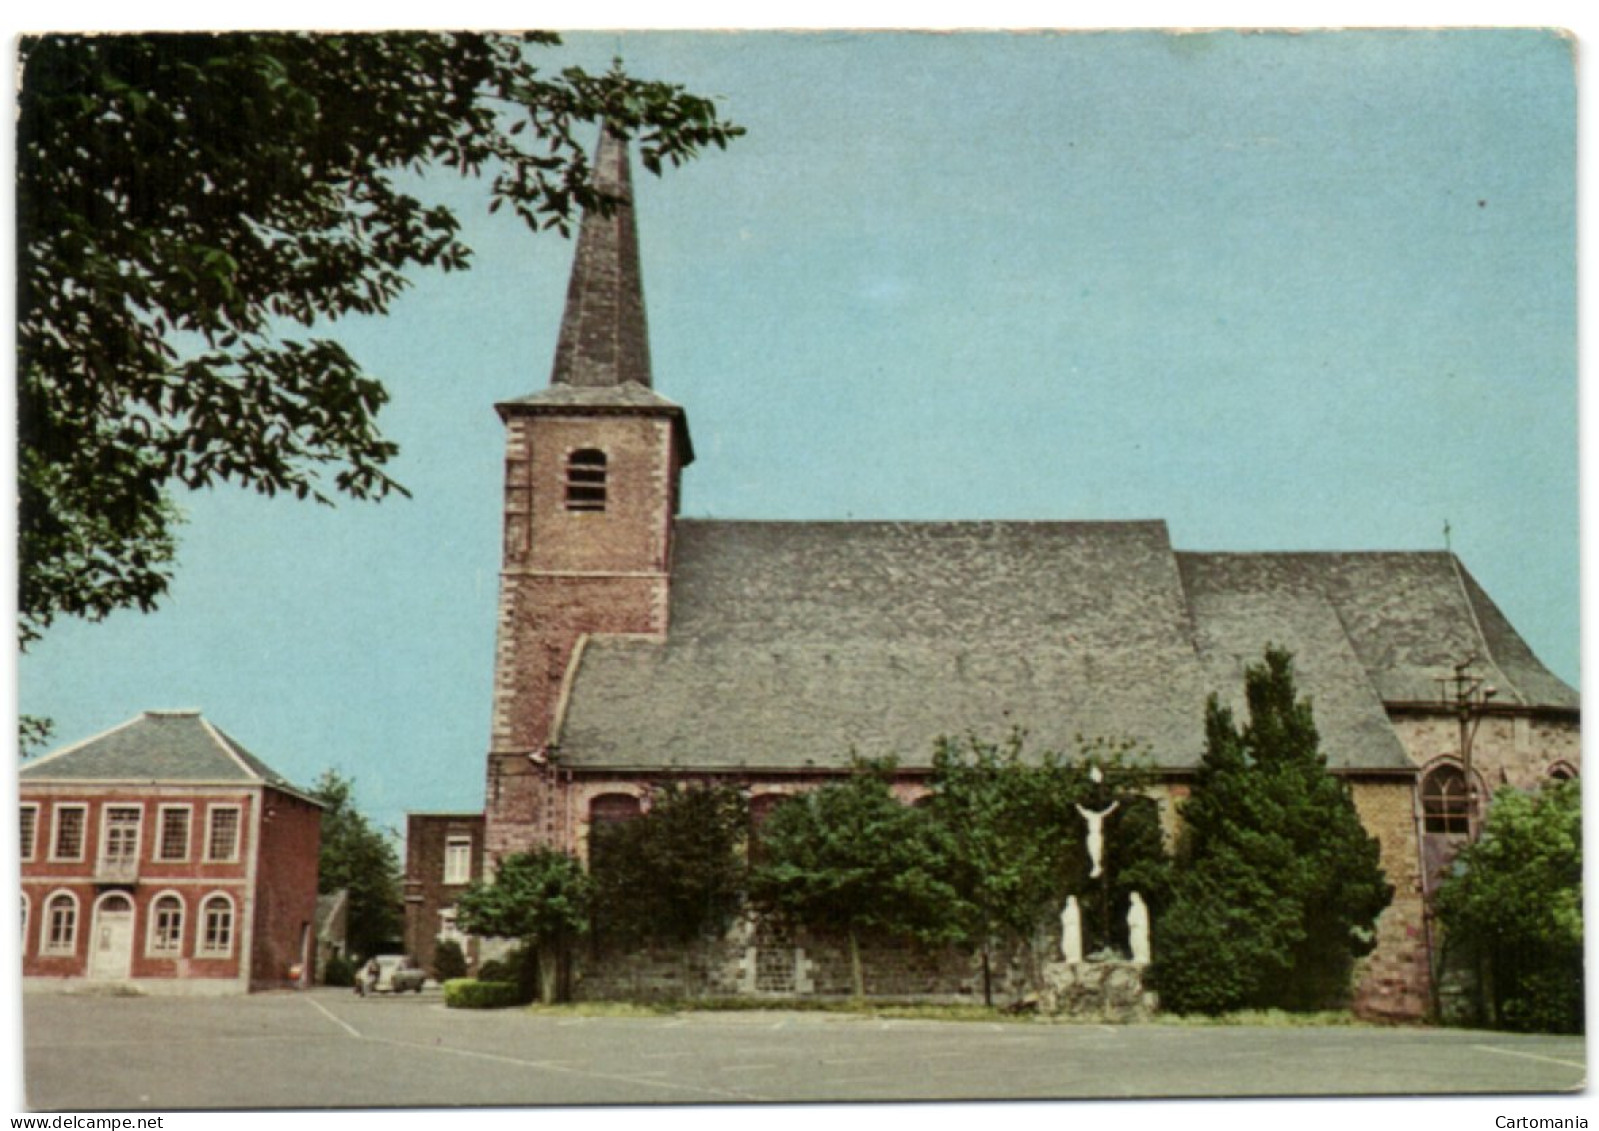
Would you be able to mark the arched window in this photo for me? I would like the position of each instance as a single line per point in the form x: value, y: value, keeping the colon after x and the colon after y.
x: 166, y: 926
x: 762, y: 806
x: 216, y: 927
x: 585, y: 480
x: 613, y: 808
x: 61, y: 924
x: 1562, y: 771
x: 1445, y: 804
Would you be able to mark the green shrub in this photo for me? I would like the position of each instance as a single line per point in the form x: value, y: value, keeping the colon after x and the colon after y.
x: 469, y: 993
x: 1512, y: 910
x: 339, y: 971
x: 673, y: 874
x: 519, y: 967
x: 448, y: 961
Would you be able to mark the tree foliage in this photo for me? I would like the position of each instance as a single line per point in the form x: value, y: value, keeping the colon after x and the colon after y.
x: 194, y: 209
x: 1514, y: 902
x: 540, y: 897
x: 359, y: 857
x: 1276, y: 886
x: 675, y: 873
x: 850, y: 857
x: 1016, y: 842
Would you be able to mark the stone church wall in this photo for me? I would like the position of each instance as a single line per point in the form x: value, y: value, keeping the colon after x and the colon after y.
x: 1513, y: 748
x: 765, y: 960
x: 1393, y: 981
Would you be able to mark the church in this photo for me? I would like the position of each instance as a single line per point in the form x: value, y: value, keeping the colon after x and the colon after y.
x: 636, y: 647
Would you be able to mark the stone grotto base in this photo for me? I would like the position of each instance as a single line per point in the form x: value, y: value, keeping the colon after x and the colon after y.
x: 1096, y: 991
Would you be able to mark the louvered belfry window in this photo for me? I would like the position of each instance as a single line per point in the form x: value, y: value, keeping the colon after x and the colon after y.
x: 585, y: 480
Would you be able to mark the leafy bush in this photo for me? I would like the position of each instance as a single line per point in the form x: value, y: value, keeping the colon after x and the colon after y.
x: 1276, y: 887
x: 850, y: 857
x: 469, y: 993
x: 339, y: 971
x: 674, y: 874
x: 1514, y: 908
x: 540, y: 897
x: 448, y: 961
x: 498, y: 970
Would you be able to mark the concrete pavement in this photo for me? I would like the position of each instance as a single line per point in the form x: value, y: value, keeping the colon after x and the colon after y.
x: 329, y: 1049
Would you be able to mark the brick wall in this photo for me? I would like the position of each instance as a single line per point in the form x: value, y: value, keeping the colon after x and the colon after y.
x: 191, y: 879
x: 426, y: 893
x: 285, y: 889
x: 568, y: 574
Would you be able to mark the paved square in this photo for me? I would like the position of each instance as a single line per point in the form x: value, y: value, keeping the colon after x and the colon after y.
x: 330, y: 1049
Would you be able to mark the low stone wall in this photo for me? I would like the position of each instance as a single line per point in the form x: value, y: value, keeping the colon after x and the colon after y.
x: 761, y: 960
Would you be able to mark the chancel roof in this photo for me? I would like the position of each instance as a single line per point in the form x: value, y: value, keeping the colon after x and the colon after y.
x: 793, y: 645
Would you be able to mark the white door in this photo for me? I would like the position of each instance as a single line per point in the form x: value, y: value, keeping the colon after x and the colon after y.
x: 111, y: 945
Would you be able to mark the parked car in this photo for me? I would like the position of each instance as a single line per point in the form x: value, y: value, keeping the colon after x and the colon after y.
x: 408, y: 976
x: 396, y: 973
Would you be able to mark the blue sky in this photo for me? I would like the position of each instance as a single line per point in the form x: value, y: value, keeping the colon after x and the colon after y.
x: 1283, y: 291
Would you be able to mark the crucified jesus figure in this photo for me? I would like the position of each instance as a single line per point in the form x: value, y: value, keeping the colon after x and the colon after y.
x: 1096, y: 835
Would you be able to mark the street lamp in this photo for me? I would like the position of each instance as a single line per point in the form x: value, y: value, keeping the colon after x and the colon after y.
x: 1469, y: 694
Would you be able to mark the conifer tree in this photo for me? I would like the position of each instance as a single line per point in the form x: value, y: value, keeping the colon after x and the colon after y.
x: 1277, y: 885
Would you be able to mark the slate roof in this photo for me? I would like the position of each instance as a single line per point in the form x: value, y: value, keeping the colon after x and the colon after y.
x: 604, y: 335
x: 158, y: 746
x: 602, y: 358
x: 792, y: 643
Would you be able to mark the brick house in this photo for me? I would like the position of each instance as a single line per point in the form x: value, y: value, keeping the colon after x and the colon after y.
x: 443, y: 853
x: 636, y: 647
x: 164, y: 855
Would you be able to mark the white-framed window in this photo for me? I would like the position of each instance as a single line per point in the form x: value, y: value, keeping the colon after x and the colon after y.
x: 166, y: 926
x: 25, y: 909
x: 222, y: 833
x: 60, y: 924
x: 458, y: 860
x: 119, y: 836
x: 173, y: 838
x: 216, y: 927
x: 67, y: 836
x: 29, y: 824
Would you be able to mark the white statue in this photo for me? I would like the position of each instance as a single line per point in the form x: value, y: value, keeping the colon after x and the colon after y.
x: 1071, y: 931
x: 1138, y: 929
x: 1096, y: 835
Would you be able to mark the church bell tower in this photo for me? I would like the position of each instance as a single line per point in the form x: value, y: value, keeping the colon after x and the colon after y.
x: 592, y: 465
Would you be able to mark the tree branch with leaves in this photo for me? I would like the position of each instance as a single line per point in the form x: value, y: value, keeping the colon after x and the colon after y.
x: 195, y: 210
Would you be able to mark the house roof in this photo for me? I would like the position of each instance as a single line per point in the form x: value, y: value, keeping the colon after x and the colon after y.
x: 158, y: 747
x: 793, y: 643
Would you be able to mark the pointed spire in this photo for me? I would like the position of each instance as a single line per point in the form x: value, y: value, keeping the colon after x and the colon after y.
x: 604, y: 339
